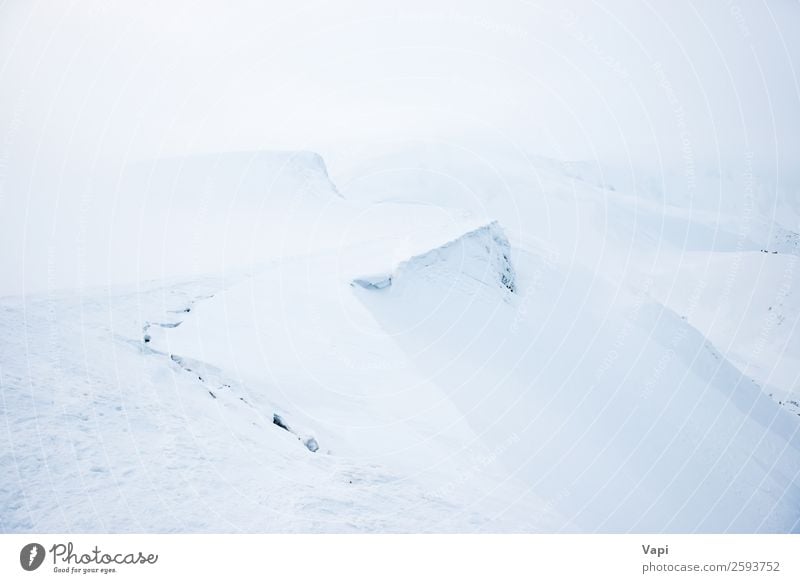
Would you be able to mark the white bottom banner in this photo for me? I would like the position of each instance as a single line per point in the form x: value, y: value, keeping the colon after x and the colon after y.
x: 118, y: 558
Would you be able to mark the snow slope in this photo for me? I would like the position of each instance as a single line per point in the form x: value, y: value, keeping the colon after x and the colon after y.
x: 625, y: 417
x: 402, y: 365
x: 747, y: 305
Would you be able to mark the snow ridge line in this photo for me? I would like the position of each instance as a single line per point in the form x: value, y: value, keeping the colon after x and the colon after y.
x: 490, y: 236
x: 207, y: 374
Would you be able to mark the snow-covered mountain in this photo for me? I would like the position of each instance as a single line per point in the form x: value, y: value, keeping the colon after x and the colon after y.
x: 435, y: 345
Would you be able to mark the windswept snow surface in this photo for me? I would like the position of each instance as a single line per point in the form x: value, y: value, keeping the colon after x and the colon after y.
x: 407, y: 364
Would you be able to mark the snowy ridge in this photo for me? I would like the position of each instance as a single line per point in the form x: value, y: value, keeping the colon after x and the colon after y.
x: 212, y: 213
x: 256, y: 176
x: 481, y: 256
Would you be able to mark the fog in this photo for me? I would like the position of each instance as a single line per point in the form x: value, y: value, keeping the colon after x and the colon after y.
x: 88, y: 89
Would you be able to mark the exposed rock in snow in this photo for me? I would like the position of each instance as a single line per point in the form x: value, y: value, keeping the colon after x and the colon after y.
x: 373, y: 281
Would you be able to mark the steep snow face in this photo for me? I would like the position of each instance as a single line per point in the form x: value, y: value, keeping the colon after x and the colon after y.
x: 482, y: 255
x: 624, y: 416
x: 479, y: 259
